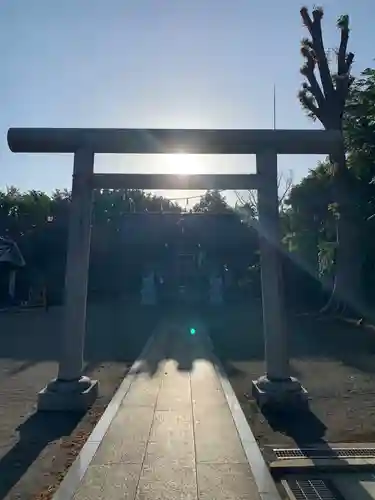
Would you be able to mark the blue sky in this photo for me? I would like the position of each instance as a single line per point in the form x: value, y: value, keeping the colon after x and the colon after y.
x: 157, y: 63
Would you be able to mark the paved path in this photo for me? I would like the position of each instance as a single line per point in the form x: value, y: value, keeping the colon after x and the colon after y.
x: 173, y: 436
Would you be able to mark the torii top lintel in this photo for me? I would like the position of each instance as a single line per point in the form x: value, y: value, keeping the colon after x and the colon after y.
x: 159, y: 141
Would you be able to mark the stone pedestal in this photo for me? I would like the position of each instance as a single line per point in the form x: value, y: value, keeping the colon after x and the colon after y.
x: 216, y: 290
x: 287, y: 394
x: 12, y: 284
x: 74, y: 395
x: 228, y: 278
x: 148, y: 291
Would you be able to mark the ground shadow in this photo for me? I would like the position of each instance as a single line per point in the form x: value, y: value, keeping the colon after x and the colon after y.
x: 165, y: 346
x: 114, y: 332
x: 237, y: 333
x: 337, y: 338
x: 184, y: 338
x: 35, y: 434
x: 22, y: 367
x: 117, y: 332
x: 303, y: 426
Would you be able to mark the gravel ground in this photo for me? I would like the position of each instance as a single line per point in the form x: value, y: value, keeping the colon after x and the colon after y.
x: 334, y: 360
x: 37, y: 448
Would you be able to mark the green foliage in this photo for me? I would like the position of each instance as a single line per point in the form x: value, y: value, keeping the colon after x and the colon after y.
x: 39, y: 224
x: 343, y: 22
x: 212, y: 201
x: 121, y: 243
x: 359, y: 125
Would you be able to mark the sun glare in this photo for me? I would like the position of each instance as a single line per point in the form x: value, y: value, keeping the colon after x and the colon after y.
x: 183, y: 164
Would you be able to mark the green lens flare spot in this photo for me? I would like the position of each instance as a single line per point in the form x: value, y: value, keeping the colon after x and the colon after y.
x: 192, y: 331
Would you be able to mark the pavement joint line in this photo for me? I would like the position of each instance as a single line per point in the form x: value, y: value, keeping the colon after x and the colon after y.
x: 78, y: 469
x: 194, y: 439
x: 148, y: 438
x: 262, y: 476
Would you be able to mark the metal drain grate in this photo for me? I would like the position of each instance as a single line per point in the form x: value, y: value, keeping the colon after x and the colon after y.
x: 284, y: 453
x: 310, y: 489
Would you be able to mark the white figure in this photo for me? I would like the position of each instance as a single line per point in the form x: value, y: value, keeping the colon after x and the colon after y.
x: 148, y: 291
x: 228, y: 279
x: 200, y: 259
x: 216, y: 290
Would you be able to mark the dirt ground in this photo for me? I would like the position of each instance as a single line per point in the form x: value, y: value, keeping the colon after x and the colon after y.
x: 334, y: 360
x: 37, y: 448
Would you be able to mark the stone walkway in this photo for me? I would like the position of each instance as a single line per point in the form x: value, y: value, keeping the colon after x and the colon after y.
x: 174, y: 436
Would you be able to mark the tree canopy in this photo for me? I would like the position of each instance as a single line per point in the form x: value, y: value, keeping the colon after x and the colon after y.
x: 212, y: 201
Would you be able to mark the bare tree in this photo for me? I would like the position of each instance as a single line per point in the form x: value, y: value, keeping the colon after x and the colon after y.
x: 323, y: 96
x: 249, y: 202
x: 325, y: 100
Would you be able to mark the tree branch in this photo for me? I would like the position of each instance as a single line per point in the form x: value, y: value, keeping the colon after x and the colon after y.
x: 321, y: 58
x: 307, y: 102
x: 287, y: 188
x: 344, y: 61
x: 349, y: 60
x: 343, y: 24
x: 307, y: 21
x: 308, y: 72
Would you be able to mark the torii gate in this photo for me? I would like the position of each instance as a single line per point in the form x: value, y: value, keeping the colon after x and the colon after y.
x: 73, y: 391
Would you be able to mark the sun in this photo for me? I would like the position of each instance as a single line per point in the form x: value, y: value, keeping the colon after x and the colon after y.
x: 183, y: 164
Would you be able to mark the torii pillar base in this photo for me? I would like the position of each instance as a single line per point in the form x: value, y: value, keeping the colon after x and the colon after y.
x: 280, y: 395
x: 72, y: 396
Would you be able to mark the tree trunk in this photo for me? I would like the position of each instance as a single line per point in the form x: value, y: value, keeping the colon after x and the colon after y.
x: 347, y: 291
x: 307, y: 245
x: 348, y: 286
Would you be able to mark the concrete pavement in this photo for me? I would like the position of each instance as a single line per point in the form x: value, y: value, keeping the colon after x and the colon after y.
x: 176, y: 433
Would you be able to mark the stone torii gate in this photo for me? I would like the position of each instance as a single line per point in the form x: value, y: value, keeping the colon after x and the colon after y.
x: 73, y: 391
